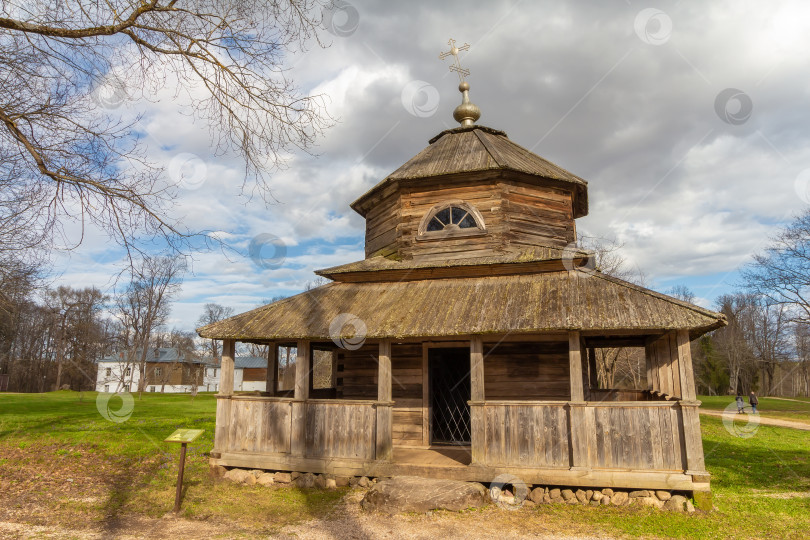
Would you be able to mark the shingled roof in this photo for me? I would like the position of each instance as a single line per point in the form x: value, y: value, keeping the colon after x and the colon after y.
x: 539, y: 302
x: 479, y: 148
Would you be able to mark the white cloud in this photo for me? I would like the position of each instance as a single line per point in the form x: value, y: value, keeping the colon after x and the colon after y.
x: 688, y: 194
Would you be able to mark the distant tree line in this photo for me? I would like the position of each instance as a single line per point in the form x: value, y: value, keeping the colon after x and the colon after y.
x: 766, y: 345
x: 51, y: 338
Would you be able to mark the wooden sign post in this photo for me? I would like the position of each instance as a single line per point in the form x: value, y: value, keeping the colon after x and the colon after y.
x: 183, y: 436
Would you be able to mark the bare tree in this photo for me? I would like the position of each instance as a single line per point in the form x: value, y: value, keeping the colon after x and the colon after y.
x: 782, y: 272
x: 768, y: 333
x: 732, y: 342
x: 213, y: 313
x: 609, y: 260
x: 144, y: 305
x: 67, y: 153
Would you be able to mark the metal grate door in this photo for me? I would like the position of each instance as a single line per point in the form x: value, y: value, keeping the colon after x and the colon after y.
x: 449, y: 393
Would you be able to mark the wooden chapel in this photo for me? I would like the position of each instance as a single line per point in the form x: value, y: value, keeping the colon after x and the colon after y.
x: 463, y: 345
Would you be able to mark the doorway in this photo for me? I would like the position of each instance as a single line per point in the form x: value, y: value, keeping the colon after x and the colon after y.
x: 449, y: 383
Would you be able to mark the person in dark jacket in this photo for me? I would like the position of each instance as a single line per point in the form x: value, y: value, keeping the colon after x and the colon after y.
x: 752, y: 399
x: 740, y: 403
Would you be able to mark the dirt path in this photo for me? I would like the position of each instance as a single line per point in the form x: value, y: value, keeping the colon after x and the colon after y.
x: 348, y: 521
x: 765, y: 421
x: 789, y: 399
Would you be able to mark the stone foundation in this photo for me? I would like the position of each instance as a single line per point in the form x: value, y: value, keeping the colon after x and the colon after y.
x: 508, y: 496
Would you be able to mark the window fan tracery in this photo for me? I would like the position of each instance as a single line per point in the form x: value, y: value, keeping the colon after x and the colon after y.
x: 450, y: 217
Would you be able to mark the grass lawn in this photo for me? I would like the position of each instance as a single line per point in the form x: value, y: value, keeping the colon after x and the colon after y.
x: 798, y: 410
x: 59, y: 459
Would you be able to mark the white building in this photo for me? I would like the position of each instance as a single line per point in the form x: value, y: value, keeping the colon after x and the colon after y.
x: 166, y: 370
x: 249, y: 374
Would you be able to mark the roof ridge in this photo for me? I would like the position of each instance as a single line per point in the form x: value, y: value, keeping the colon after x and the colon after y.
x: 654, y: 294
x: 493, y: 153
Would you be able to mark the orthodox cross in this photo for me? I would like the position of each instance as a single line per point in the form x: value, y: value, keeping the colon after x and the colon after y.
x: 456, y: 65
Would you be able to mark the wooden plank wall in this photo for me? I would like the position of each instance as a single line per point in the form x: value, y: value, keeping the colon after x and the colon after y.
x: 637, y: 437
x: 406, y: 375
x: 663, y: 365
x: 381, y: 223
x: 340, y: 430
x: 258, y: 426
x: 417, y: 202
x: 526, y: 371
x: 357, y: 373
x: 526, y: 435
x: 537, y: 215
x: 516, y: 214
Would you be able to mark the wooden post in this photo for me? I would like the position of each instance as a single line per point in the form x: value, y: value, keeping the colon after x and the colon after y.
x: 687, y: 375
x: 592, y: 370
x: 179, y: 491
x: 224, y: 419
x: 693, y: 442
x: 477, y: 399
x: 298, y: 435
x: 577, y: 419
x: 384, y: 408
x: 586, y: 387
x: 649, y: 363
x: 272, y: 369
x: 575, y: 366
x: 226, y: 372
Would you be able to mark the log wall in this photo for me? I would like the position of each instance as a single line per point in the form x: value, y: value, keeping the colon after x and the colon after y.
x: 407, y: 378
x: 357, y: 379
x: 526, y: 371
x: 517, y: 214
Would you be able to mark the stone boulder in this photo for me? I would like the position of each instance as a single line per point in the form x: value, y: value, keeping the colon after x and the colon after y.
x: 306, y: 480
x: 413, y: 494
x: 238, y: 475
x: 282, y: 477
x: 677, y: 503
x: 265, y: 479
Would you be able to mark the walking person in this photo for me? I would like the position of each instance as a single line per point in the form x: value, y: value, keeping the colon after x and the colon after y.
x: 740, y: 403
x: 752, y: 399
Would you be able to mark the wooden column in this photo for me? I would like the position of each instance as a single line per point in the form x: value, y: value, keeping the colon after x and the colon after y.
x: 384, y: 407
x: 692, y: 440
x: 686, y: 372
x: 578, y: 421
x: 477, y: 398
x: 226, y: 368
x: 593, y: 372
x: 223, y: 418
x: 272, y: 369
x: 298, y: 421
x: 575, y: 366
x: 649, y: 363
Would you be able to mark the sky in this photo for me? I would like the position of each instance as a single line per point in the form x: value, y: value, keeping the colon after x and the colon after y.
x: 690, y: 121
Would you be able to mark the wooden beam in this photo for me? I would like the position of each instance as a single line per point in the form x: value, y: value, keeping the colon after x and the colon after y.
x: 628, y: 479
x: 687, y: 374
x: 298, y: 433
x: 226, y: 368
x: 577, y: 423
x: 477, y: 412
x: 425, y: 396
x: 302, y: 370
x: 592, y: 370
x: 384, y: 410
x: 272, y: 368
x: 575, y: 366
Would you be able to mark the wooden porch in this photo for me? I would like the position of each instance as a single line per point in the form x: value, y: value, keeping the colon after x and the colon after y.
x: 646, y: 440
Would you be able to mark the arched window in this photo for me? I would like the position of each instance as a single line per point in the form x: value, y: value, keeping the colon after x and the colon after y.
x: 452, y: 217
